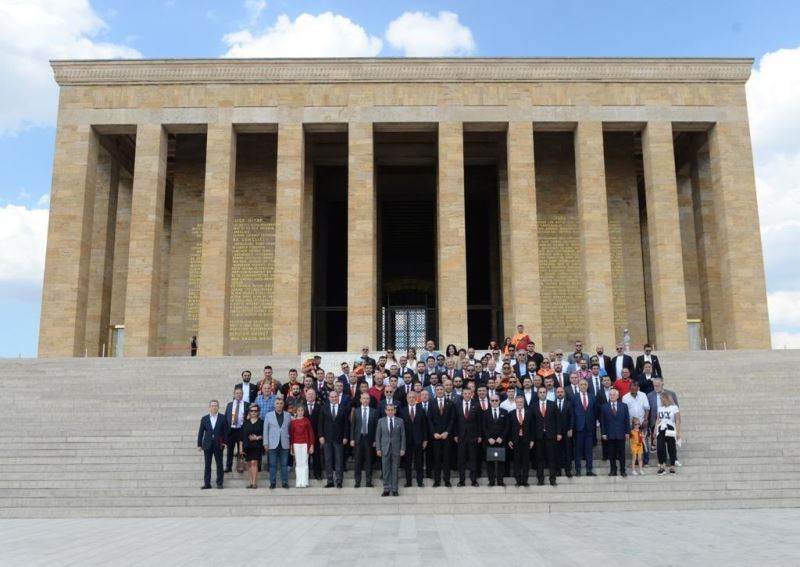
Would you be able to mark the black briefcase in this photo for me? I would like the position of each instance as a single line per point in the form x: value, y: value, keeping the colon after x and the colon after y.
x: 495, y: 454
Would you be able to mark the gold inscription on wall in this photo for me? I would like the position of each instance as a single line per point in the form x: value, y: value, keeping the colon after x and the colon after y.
x: 195, y: 262
x: 252, y: 278
x: 561, y: 280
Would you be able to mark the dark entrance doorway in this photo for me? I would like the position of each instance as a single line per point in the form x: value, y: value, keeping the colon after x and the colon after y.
x: 407, y: 255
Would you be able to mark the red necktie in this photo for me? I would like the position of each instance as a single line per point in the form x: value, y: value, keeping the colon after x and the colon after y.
x: 614, y: 408
x: 585, y: 402
x: 466, y: 411
x: 541, y: 408
x: 483, y: 405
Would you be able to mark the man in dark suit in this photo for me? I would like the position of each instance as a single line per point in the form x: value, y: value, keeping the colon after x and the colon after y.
x: 440, y: 425
x: 211, y: 440
x: 334, y: 431
x: 313, y: 411
x: 520, y: 439
x: 495, y: 429
x: 362, y: 438
x: 585, y: 408
x: 564, y: 451
x: 235, y: 414
x: 416, y: 437
x: 648, y: 356
x: 602, y: 398
x: 468, y: 437
x: 645, y: 379
x: 616, y: 427
x: 619, y: 362
x: 546, y: 433
x: 249, y: 390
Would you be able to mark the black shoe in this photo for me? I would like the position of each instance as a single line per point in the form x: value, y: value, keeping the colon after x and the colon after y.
x: 558, y: 473
x: 436, y: 484
x: 553, y: 482
x: 385, y: 493
x: 612, y: 473
x: 590, y: 473
x: 286, y: 485
x: 421, y: 484
x: 357, y: 485
x: 623, y: 474
x: 518, y: 484
x: 330, y: 484
x: 569, y: 474
x: 369, y: 484
x: 500, y: 483
x: 461, y: 483
x: 540, y: 482
x: 525, y: 483
x: 408, y: 484
x: 271, y: 485
x: 491, y: 483
x: 205, y: 487
x: 338, y: 484
x: 219, y: 486
x: 228, y: 470
x: 447, y: 484
x: 577, y: 473
x: 395, y: 493
x: 475, y: 483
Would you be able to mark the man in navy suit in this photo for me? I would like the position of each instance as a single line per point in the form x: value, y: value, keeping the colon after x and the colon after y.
x: 564, y: 451
x: 211, y: 440
x: 616, y: 428
x: 585, y: 406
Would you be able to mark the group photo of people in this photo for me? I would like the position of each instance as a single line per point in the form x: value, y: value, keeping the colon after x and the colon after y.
x: 503, y: 414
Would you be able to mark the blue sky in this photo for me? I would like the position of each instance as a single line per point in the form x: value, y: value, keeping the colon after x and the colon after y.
x: 32, y: 31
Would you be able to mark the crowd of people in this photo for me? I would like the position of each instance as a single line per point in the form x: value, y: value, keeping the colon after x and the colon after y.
x: 431, y: 414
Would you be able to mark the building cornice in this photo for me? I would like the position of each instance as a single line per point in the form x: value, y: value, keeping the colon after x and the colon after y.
x: 398, y: 70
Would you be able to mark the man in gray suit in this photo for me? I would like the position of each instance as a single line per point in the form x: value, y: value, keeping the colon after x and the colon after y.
x: 276, y: 441
x: 390, y: 441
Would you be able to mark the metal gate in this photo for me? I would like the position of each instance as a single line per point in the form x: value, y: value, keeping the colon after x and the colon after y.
x: 406, y: 326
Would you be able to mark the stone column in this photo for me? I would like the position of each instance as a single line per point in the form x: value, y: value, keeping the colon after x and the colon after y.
x: 452, y: 243
x: 663, y: 226
x: 362, y: 279
x: 69, y: 238
x: 101, y: 267
x: 595, y: 247
x: 523, y: 248
x: 144, y: 256
x: 289, y: 220
x: 744, y: 293
x: 215, y: 271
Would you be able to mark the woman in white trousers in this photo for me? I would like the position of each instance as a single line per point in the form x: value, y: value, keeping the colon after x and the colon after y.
x: 301, y: 435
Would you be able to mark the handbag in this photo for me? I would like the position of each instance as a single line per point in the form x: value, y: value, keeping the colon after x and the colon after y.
x: 495, y: 454
x: 240, y: 466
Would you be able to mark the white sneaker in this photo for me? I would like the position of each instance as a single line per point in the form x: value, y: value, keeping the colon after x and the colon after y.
x: 635, y: 473
x: 678, y: 463
x: 641, y: 473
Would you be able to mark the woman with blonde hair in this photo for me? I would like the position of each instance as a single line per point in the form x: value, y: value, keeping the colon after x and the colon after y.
x: 668, y: 426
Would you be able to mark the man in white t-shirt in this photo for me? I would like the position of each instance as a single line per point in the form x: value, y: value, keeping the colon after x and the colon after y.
x: 638, y: 405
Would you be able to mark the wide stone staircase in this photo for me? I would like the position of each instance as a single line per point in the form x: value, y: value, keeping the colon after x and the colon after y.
x: 117, y: 438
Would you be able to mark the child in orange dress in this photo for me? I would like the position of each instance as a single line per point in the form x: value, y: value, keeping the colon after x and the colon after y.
x: 637, y: 446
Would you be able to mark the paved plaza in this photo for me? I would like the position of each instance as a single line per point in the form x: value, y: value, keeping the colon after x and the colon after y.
x: 708, y: 538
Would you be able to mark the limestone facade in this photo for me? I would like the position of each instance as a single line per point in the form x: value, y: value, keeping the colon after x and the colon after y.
x: 183, y: 198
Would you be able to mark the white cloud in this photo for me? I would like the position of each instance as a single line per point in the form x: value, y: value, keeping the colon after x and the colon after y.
x: 325, y: 35
x: 782, y: 340
x: 254, y: 9
x: 784, y: 308
x: 419, y: 34
x: 773, y: 92
x: 23, y: 236
x: 44, y: 201
x: 31, y: 33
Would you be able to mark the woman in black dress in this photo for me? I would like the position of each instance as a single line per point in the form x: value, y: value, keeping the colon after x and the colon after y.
x: 252, y: 435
